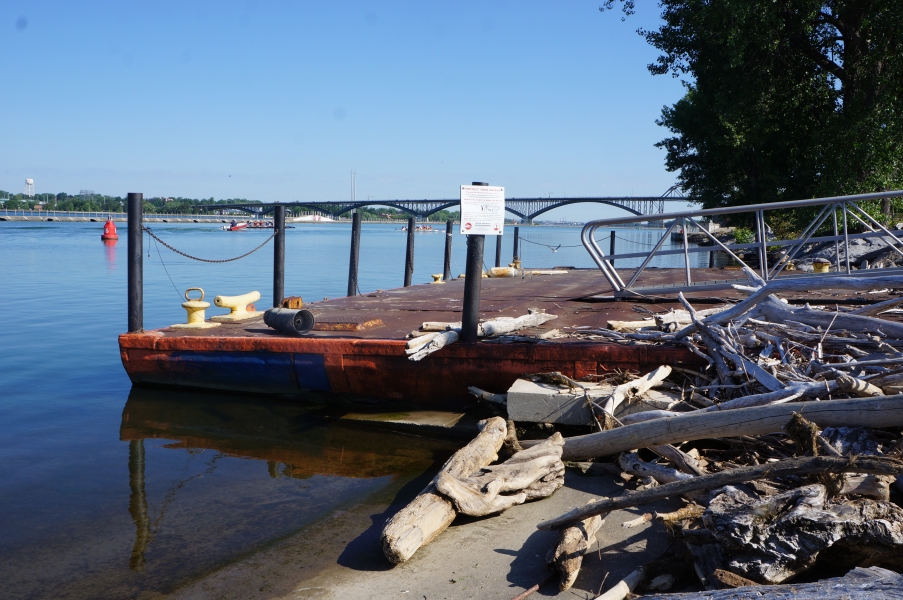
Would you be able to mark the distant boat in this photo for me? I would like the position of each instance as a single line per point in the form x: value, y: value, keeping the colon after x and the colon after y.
x: 422, y: 229
x: 235, y: 227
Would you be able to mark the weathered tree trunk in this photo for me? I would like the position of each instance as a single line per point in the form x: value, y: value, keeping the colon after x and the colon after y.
x: 567, y: 555
x: 777, y: 538
x: 429, y: 514
x: 883, y: 411
x: 482, y: 493
x: 792, y: 466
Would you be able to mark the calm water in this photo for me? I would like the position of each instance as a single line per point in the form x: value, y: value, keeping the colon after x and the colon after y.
x: 106, y: 491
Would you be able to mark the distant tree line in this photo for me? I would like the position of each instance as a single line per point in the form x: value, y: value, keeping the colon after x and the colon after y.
x: 102, y: 203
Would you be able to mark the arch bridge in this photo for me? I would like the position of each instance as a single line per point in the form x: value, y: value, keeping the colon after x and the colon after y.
x: 525, y: 208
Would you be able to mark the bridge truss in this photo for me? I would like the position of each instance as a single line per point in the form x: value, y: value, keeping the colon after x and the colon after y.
x: 525, y: 208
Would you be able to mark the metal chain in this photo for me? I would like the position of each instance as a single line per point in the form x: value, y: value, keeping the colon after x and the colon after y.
x: 209, y: 260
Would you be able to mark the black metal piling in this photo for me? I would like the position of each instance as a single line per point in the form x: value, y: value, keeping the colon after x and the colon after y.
x: 446, y: 271
x: 354, y: 260
x: 409, y: 253
x: 611, y: 249
x: 498, y: 251
x: 516, y: 253
x: 136, y: 262
x: 279, y: 257
x: 473, y: 280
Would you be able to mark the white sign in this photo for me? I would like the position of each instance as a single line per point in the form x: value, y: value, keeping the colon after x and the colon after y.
x: 482, y: 210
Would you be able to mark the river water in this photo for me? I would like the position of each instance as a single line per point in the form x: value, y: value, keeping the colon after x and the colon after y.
x: 110, y: 492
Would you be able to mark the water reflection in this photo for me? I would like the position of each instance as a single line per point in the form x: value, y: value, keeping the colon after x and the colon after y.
x: 290, y: 442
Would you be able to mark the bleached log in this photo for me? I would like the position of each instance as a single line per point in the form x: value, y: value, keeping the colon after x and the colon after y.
x: 873, y: 310
x: 857, y: 386
x: 439, y: 326
x: 647, y: 415
x: 632, y: 464
x: 625, y: 586
x: 500, y: 399
x: 482, y: 493
x: 567, y: 555
x: 440, y: 341
x: 776, y: 311
x: 793, y: 466
x: 429, y: 514
x: 418, y: 342
x: 630, y: 325
x: 777, y: 286
x: 504, y: 325
x: 883, y: 411
x: 863, y: 484
x: 680, y: 459
x: 635, y: 388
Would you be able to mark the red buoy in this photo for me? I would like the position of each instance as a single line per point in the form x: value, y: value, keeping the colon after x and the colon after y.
x: 109, y: 231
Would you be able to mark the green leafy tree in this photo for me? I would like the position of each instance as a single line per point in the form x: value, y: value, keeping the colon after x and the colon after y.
x: 785, y: 99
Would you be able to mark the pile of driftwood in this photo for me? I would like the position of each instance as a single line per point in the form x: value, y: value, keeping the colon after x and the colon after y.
x: 434, y: 335
x: 785, y: 447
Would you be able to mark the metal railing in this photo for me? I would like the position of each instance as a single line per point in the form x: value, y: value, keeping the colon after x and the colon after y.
x: 845, y: 207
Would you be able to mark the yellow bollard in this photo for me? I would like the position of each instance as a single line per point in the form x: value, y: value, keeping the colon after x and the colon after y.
x: 437, y: 278
x: 238, y: 305
x: 195, y: 309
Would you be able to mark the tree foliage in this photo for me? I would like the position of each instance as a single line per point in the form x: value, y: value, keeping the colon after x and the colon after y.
x: 785, y: 99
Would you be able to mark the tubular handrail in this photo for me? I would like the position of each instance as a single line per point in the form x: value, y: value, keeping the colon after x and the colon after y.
x: 846, y: 205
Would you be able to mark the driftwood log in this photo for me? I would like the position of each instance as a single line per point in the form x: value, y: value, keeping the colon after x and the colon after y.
x: 774, y: 539
x: 859, y: 584
x: 429, y: 514
x: 567, y: 555
x: 883, y: 411
x: 793, y: 466
x: 533, y: 473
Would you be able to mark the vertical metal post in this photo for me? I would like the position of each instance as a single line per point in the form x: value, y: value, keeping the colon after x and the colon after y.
x: 409, y: 253
x: 136, y: 263
x: 836, y: 241
x: 354, y: 260
x: 846, y: 238
x: 473, y: 280
x: 611, y: 249
x: 683, y: 227
x: 446, y: 270
x: 498, y: 251
x: 279, y: 257
x: 762, y: 238
x: 472, y: 283
x: 138, y: 504
x: 516, y: 254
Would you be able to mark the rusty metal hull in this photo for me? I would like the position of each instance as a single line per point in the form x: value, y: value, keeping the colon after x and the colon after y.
x: 369, y: 368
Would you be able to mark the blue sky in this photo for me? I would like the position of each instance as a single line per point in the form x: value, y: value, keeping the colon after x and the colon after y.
x: 278, y: 101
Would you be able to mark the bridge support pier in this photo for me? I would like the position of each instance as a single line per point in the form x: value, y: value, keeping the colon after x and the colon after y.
x: 526, y: 221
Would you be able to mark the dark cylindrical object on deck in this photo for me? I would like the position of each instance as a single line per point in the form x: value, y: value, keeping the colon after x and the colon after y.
x: 136, y: 262
x: 498, y: 251
x: 611, y: 249
x: 409, y: 253
x: 446, y: 271
x: 289, y: 320
x: 355, y: 253
x: 516, y: 254
x: 472, y: 282
x: 279, y: 257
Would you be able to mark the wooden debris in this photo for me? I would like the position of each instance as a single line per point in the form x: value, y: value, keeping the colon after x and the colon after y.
x: 859, y: 584
x: 484, y: 492
x: 777, y: 538
x: 884, y: 411
x: 429, y: 514
x: 731, y: 580
x: 793, y: 466
x: 567, y: 555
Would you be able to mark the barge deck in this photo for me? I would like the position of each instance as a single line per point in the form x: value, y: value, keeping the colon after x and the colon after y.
x: 358, y: 347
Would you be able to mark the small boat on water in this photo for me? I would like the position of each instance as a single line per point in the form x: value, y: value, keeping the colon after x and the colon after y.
x: 235, y: 226
x: 422, y: 229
